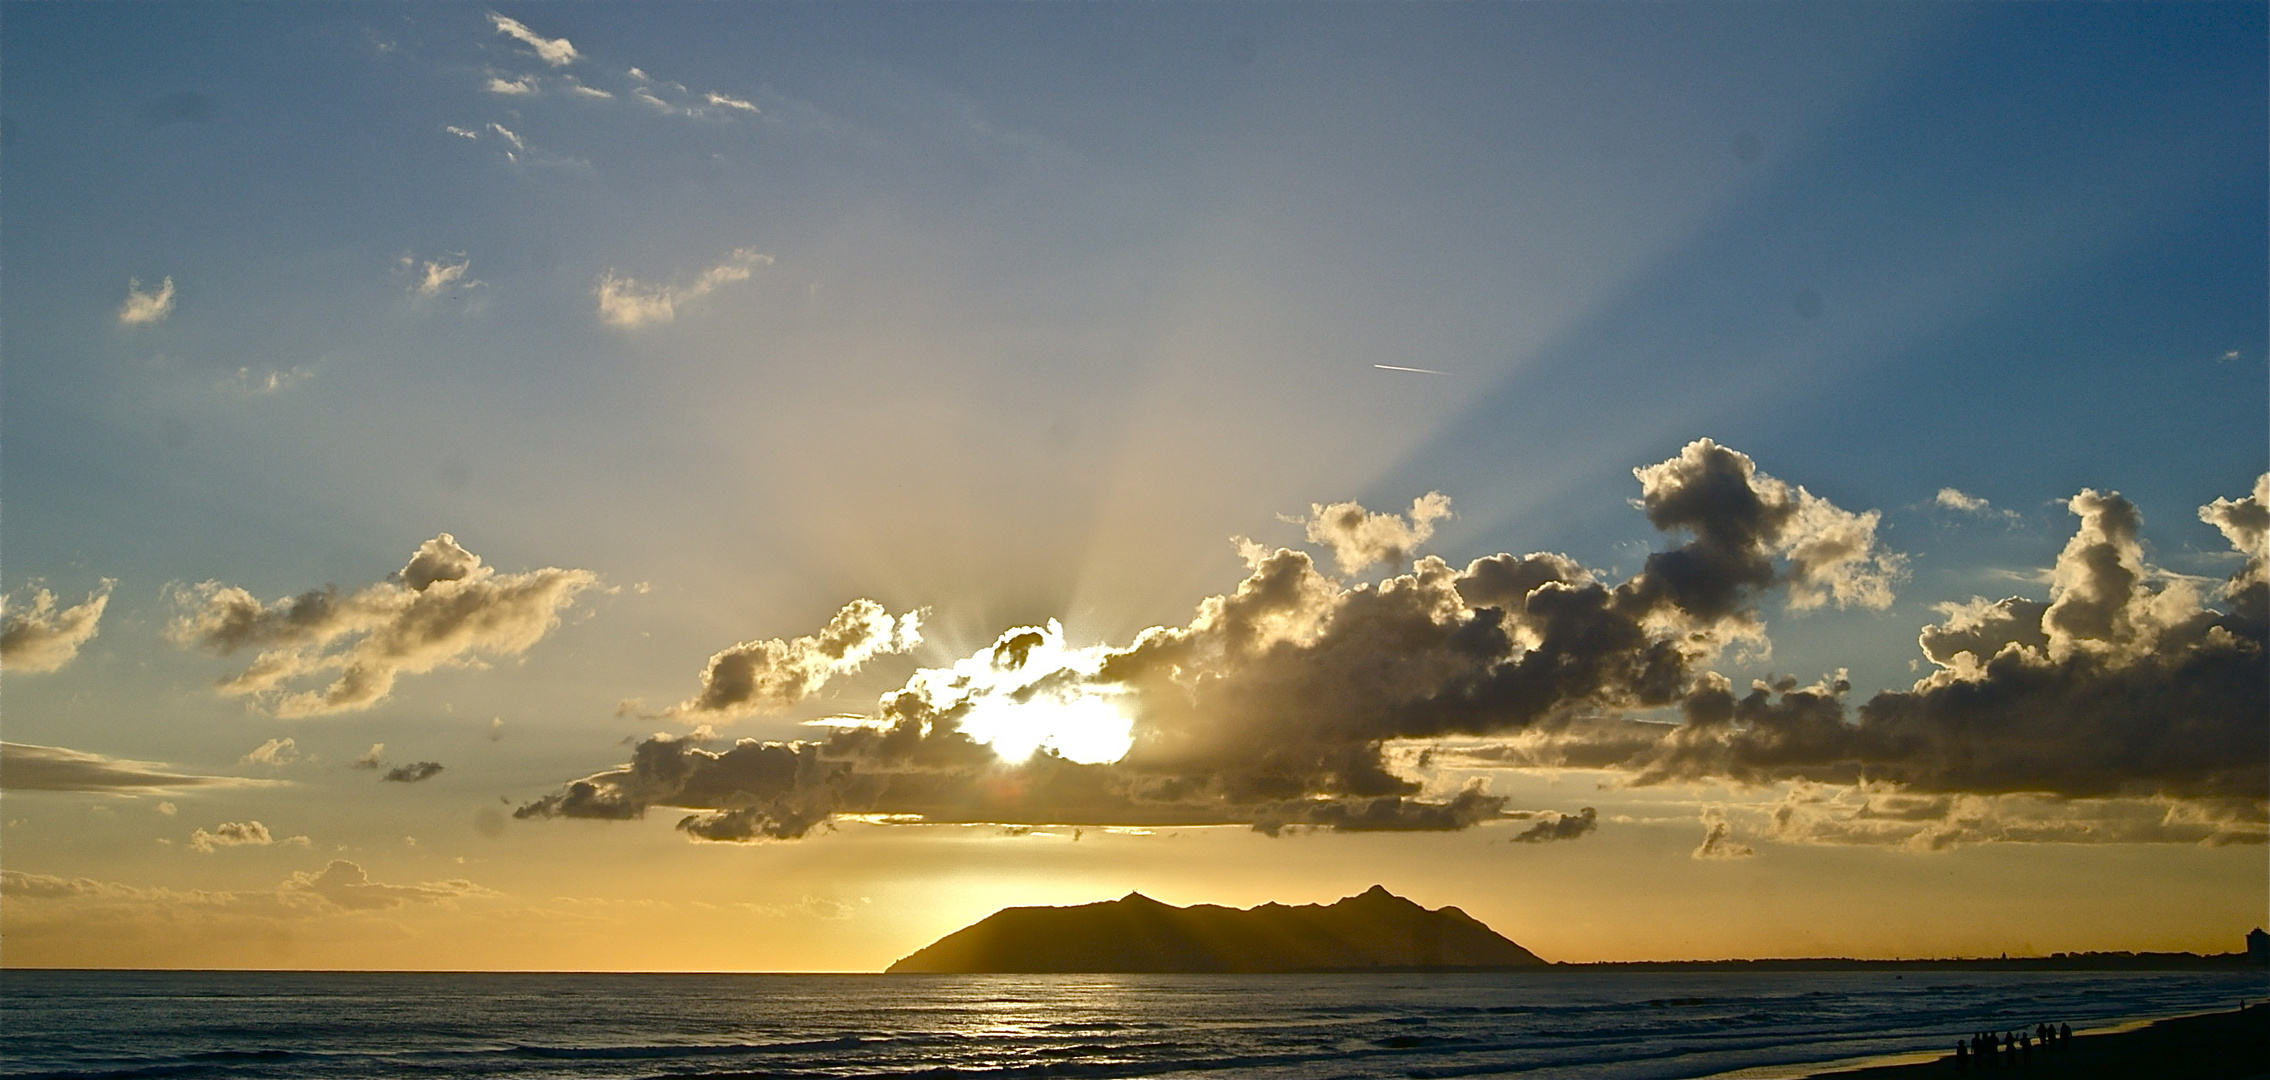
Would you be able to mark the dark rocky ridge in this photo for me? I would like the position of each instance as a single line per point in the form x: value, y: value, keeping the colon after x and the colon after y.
x: 1375, y: 931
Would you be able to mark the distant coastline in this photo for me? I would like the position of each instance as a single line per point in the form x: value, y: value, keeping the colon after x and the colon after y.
x: 2088, y: 961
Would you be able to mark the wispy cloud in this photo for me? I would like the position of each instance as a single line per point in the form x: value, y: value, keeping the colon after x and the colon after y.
x: 26, y: 767
x: 554, y: 51
x: 146, y: 307
x: 508, y: 135
x: 628, y: 303
x: 718, y: 99
x: 432, y: 277
x: 41, y: 638
x: 462, y: 133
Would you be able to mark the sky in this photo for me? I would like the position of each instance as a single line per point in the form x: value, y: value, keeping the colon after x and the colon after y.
x: 761, y: 486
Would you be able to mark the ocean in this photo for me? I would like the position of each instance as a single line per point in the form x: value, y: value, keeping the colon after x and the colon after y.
x: 1545, y: 1026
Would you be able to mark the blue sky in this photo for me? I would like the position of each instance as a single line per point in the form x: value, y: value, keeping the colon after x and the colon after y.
x: 1011, y: 313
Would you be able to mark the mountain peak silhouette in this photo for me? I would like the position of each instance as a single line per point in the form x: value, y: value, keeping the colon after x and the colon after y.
x: 1375, y: 930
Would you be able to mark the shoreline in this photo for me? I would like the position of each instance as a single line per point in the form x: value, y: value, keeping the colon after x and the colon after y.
x: 2221, y: 1045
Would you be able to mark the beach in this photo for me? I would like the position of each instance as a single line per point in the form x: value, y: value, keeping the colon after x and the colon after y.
x: 2231, y: 1045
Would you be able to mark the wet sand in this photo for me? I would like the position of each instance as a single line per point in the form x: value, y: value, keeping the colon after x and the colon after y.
x: 2213, y: 1046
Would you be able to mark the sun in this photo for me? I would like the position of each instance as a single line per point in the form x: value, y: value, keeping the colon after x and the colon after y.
x: 1088, y: 729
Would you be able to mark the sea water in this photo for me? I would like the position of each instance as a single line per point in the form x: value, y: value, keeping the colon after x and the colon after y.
x: 1547, y: 1025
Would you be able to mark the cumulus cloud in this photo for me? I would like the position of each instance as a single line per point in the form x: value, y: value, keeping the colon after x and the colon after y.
x: 1718, y: 837
x: 272, y: 752
x: 412, y: 773
x: 40, y: 638
x: 2123, y: 683
x: 627, y: 303
x: 513, y: 88
x: 27, y: 767
x: 554, y: 51
x: 444, y: 608
x: 1289, y: 701
x: 1275, y: 704
x: 231, y: 834
x: 369, y: 759
x: 146, y: 307
x: 1360, y: 538
x: 769, y: 675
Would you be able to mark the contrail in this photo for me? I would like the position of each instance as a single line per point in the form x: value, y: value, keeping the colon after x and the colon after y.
x: 1414, y: 370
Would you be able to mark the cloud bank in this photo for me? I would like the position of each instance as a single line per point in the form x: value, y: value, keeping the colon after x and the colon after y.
x: 1283, y: 703
x: 443, y: 608
x: 42, y: 638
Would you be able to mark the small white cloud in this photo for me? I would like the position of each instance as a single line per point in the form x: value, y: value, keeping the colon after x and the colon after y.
x: 146, y: 307
x: 731, y: 102
x: 272, y: 752
x: 436, y: 276
x: 464, y: 133
x: 626, y: 303
x: 369, y: 760
x: 588, y: 91
x: 168, y: 809
x: 1955, y: 500
x: 523, y: 85
x: 268, y: 382
x: 554, y: 51
x: 508, y: 136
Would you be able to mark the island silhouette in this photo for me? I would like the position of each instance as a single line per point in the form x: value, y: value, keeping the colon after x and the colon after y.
x: 1375, y: 930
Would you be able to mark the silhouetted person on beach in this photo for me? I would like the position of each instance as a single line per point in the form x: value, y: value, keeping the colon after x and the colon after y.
x: 2065, y: 1034
x: 1962, y: 1056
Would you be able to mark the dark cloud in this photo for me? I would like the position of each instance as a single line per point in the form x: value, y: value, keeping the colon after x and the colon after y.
x: 1551, y: 826
x: 1718, y: 837
x: 443, y: 608
x: 413, y: 772
x: 25, y: 767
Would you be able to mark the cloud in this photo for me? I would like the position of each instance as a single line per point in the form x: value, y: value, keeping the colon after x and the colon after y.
x: 1273, y: 706
x: 339, y: 886
x: 2122, y: 684
x: 445, y: 608
x: 554, y: 51
x: 1718, y: 837
x: 41, y: 638
x: 1952, y: 499
x: 369, y: 759
x: 1885, y: 814
x: 1359, y: 538
x: 412, y: 773
x: 231, y: 834
x: 272, y: 752
x: 514, y: 88
x: 462, y: 133
x: 723, y: 101
x: 625, y: 302
x: 1287, y: 702
x: 432, y: 277
x: 508, y: 136
x: 146, y: 307
x: 26, y: 767
x: 1551, y: 826
x: 769, y: 675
